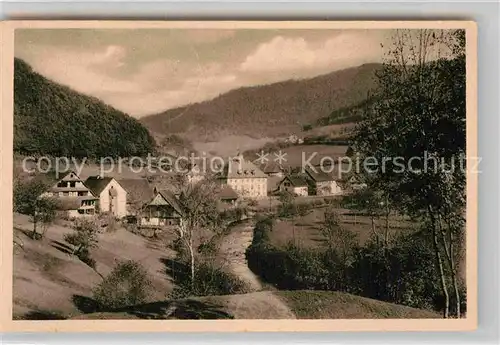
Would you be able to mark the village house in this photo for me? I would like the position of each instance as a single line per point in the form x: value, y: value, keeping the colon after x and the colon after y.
x: 293, y: 139
x: 194, y: 174
x: 76, y: 200
x: 227, y: 196
x: 272, y: 169
x: 163, y: 210
x: 139, y: 193
x: 245, y: 178
x: 112, y: 196
x: 323, y: 183
x: 354, y: 183
x: 294, y: 184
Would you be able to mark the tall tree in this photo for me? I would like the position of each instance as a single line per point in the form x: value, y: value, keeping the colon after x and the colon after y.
x: 419, y: 119
x: 29, y: 200
x: 199, y: 206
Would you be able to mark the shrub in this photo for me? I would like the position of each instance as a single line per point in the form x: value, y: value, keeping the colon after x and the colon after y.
x: 263, y: 226
x: 84, y: 236
x: 209, y: 281
x: 84, y: 256
x: 318, y: 202
x: 108, y: 221
x: 128, y: 284
x: 385, y: 273
x: 291, y: 268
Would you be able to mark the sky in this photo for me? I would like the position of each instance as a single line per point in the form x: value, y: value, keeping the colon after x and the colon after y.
x: 146, y: 71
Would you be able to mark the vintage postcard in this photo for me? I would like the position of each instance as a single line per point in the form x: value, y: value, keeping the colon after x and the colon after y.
x: 239, y: 176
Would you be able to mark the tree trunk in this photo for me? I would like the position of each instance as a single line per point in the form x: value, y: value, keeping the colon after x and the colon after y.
x: 439, y: 263
x: 35, y: 221
x: 373, y: 229
x: 191, y: 256
x: 453, y: 269
x: 457, y: 291
x: 387, y: 213
x: 448, y: 249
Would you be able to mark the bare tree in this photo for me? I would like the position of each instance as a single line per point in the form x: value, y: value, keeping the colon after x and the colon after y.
x: 199, y: 210
x: 339, y: 239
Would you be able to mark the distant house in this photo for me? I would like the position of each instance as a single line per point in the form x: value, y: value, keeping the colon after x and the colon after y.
x: 163, y: 210
x: 139, y: 193
x: 194, y: 175
x: 323, y: 183
x: 354, y: 183
x: 75, y: 198
x: 112, y: 196
x: 227, y: 195
x: 293, y: 139
x: 245, y: 178
x: 272, y: 169
x: 294, y: 184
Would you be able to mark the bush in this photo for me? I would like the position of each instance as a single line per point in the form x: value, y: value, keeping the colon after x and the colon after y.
x: 108, y: 221
x: 84, y: 256
x: 263, y: 226
x: 209, y: 281
x: 128, y: 284
x: 290, y: 269
x: 390, y: 274
x: 84, y: 238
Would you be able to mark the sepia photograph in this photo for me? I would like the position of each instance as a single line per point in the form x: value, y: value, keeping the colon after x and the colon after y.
x: 241, y: 171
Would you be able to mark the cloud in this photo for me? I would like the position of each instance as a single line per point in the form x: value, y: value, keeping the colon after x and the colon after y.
x: 85, y: 72
x: 208, y: 36
x: 145, y: 73
x: 113, y: 55
x: 295, y: 53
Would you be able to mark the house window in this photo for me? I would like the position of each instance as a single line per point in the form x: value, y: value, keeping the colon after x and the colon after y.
x: 72, y: 184
x: 81, y: 211
x: 62, y: 184
x: 65, y: 193
x: 82, y: 193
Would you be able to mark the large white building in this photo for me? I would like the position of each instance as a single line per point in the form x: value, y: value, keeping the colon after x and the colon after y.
x: 112, y: 196
x: 245, y: 178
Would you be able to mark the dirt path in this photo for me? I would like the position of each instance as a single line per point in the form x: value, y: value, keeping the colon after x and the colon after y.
x: 233, y: 249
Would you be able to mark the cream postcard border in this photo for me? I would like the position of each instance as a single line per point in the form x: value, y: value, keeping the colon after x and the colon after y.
x: 7, y: 29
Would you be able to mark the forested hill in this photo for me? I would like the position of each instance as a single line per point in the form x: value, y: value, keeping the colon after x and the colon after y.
x: 52, y: 119
x: 268, y: 110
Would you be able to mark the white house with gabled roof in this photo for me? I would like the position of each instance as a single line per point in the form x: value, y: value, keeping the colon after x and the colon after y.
x: 75, y: 198
x: 112, y: 196
x: 245, y: 178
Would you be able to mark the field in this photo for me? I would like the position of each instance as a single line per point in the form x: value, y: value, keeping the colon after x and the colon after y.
x: 306, y: 231
x: 339, y: 131
x: 230, y: 145
x: 294, y: 154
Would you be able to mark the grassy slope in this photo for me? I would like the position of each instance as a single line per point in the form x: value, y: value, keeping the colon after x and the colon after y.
x: 300, y: 304
x: 338, y: 305
x: 47, y: 278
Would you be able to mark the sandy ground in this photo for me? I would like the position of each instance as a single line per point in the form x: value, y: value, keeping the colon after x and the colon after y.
x: 47, y: 278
